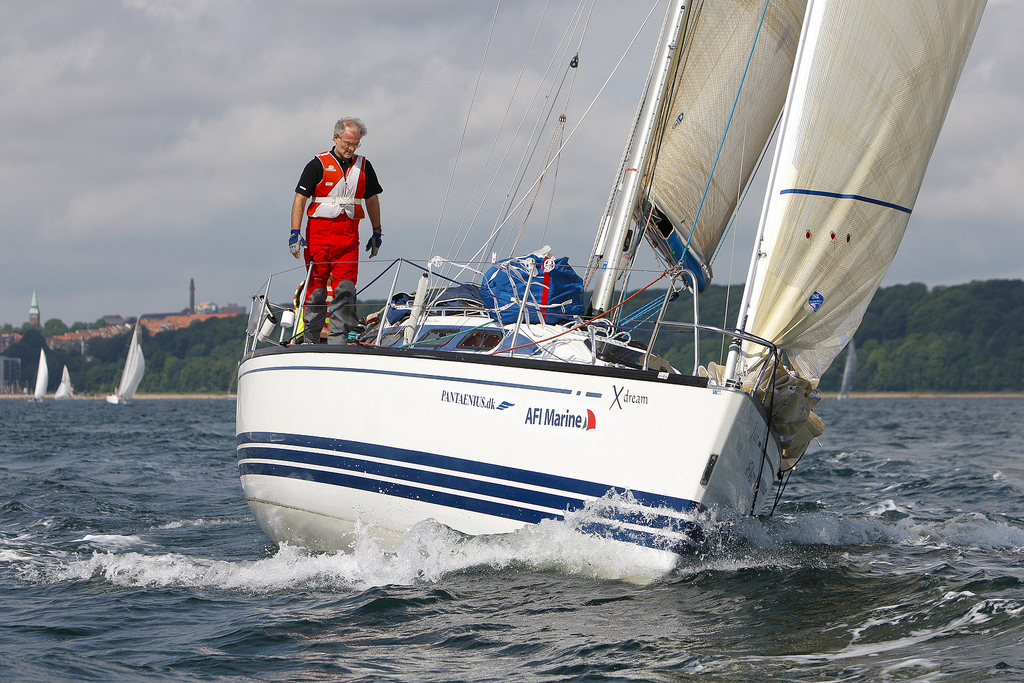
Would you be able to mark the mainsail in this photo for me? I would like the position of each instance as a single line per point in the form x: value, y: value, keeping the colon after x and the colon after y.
x: 704, y: 122
x: 870, y: 90
x: 42, y: 377
x: 729, y: 89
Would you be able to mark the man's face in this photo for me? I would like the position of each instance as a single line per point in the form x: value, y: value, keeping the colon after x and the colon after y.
x: 345, y: 144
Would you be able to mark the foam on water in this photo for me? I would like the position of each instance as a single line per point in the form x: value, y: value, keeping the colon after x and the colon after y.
x: 430, y: 551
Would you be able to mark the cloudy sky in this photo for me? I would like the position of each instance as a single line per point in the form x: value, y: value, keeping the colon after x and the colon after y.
x: 147, y: 142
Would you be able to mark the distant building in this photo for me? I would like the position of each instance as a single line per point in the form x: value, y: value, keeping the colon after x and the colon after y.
x: 113, y: 320
x: 207, y: 307
x: 10, y: 375
x: 33, y: 310
x: 9, y: 340
x: 232, y: 309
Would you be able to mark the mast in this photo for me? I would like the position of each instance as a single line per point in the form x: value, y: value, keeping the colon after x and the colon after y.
x: 610, y: 266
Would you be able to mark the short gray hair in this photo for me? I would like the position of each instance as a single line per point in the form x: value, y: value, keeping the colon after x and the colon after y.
x: 355, y: 124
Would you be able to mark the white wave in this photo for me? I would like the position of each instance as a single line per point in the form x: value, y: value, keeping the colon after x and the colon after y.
x: 110, y: 540
x: 185, y: 523
x: 971, y: 530
x: 428, y: 552
x: 888, y: 507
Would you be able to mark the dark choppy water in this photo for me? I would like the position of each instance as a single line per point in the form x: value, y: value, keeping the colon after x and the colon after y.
x: 128, y: 553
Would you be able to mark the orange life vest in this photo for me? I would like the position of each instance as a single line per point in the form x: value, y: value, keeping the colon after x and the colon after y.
x: 338, y: 191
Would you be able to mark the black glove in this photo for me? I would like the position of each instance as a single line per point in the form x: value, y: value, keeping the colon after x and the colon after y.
x: 373, y: 244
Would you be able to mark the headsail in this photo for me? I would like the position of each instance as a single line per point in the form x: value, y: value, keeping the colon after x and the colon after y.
x: 134, y: 367
x: 870, y: 90
x: 729, y: 89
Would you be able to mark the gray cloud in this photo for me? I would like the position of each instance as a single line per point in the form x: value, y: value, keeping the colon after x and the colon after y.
x: 146, y: 142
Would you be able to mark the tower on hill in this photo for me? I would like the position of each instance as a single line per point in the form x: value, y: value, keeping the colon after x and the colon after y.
x: 191, y: 296
x: 33, y: 310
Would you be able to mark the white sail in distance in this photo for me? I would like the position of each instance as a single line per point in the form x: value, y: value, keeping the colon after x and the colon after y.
x: 870, y: 90
x: 42, y: 377
x: 64, y: 389
x: 134, y: 367
x: 849, y: 371
x: 730, y: 86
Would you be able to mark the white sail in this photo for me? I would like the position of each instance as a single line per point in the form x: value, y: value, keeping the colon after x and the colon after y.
x: 64, y: 390
x: 42, y: 376
x: 134, y: 367
x: 870, y: 90
x: 730, y: 86
x: 849, y: 370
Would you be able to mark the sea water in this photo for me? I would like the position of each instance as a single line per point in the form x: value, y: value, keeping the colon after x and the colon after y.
x: 127, y: 552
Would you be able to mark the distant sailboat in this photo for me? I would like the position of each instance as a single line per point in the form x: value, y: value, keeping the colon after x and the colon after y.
x: 65, y: 390
x: 42, y: 377
x: 134, y: 367
x: 849, y: 370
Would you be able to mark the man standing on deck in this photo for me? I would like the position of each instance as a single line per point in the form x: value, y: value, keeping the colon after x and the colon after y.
x: 336, y: 181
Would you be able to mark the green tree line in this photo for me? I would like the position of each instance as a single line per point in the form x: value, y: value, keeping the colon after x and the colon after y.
x: 199, y: 359
x: 962, y: 338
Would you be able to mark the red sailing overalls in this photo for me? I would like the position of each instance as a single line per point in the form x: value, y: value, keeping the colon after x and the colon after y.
x: 332, y: 229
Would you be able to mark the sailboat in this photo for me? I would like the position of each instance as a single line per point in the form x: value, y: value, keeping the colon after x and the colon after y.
x: 499, y: 401
x: 849, y: 370
x: 64, y: 389
x: 42, y: 377
x: 134, y: 367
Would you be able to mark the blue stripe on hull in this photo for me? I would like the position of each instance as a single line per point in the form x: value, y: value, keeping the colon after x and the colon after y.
x: 290, y: 456
x: 398, y: 490
x: 413, y: 475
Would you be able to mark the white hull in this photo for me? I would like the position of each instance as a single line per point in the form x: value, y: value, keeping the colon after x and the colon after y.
x: 114, y: 400
x: 332, y: 436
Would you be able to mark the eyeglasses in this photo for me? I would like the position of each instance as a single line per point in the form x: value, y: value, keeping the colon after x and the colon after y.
x: 346, y: 143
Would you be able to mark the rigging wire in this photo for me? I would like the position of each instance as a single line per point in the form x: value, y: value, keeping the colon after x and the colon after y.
x: 515, y: 135
x: 497, y: 134
x: 569, y: 137
x: 529, y: 151
x: 462, y: 140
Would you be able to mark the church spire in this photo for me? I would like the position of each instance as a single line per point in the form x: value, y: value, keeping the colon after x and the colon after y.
x: 33, y: 310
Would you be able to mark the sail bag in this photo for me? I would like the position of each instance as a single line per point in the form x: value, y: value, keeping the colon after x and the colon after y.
x: 548, y: 289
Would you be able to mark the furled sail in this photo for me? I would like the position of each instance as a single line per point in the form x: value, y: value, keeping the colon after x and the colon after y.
x: 42, y: 377
x: 870, y: 90
x: 730, y: 85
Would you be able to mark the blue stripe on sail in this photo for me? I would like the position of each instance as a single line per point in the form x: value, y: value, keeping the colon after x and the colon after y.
x: 837, y: 195
x: 512, y: 475
x: 413, y: 475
